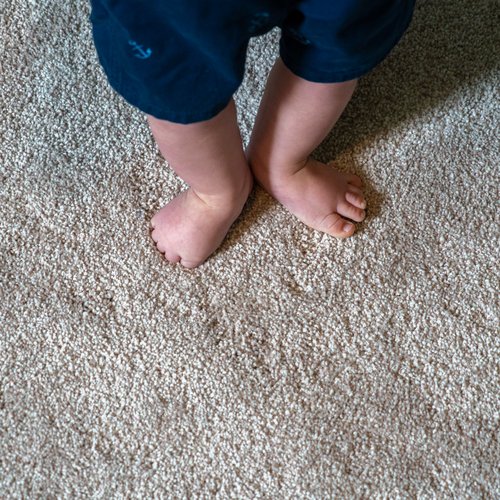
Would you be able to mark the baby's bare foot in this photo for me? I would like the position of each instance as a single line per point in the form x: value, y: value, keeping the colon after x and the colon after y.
x: 318, y: 195
x: 191, y: 226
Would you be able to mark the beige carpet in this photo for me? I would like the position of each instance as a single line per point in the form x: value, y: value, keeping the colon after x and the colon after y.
x: 290, y: 365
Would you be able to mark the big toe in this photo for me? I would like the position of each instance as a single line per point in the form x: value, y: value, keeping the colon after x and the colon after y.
x: 191, y: 264
x: 335, y: 225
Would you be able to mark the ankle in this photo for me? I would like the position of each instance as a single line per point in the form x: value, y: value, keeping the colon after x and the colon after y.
x: 271, y: 174
x: 230, y: 197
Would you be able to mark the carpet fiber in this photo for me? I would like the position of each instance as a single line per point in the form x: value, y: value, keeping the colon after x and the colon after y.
x: 289, y: 365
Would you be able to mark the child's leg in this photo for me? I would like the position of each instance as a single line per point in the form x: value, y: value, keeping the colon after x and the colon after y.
x: 209, y: 157
x: 295, y: 115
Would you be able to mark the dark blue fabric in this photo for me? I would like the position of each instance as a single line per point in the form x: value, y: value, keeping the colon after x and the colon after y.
x: 182, y: 60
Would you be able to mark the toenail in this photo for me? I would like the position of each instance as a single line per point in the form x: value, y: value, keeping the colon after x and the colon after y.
x: 347, y: 227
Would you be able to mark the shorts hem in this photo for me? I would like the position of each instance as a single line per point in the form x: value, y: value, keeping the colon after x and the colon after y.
x: 181, y: 118
x: 184, y: 118
x: 319, y: 75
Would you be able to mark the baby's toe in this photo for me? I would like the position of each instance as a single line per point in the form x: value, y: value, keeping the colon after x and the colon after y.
x: 155, y: 235
x: 354, y: 180
x: 335, y: 225
x: 355, y: 197
x: 169, y: 254
x: 172, y: 257
x: 190, y: 264
x: 351, y: 212
x: 159, y: 218
x: 154, y: 221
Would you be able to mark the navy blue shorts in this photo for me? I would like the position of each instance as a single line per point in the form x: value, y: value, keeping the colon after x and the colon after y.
x: 182, y: 60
